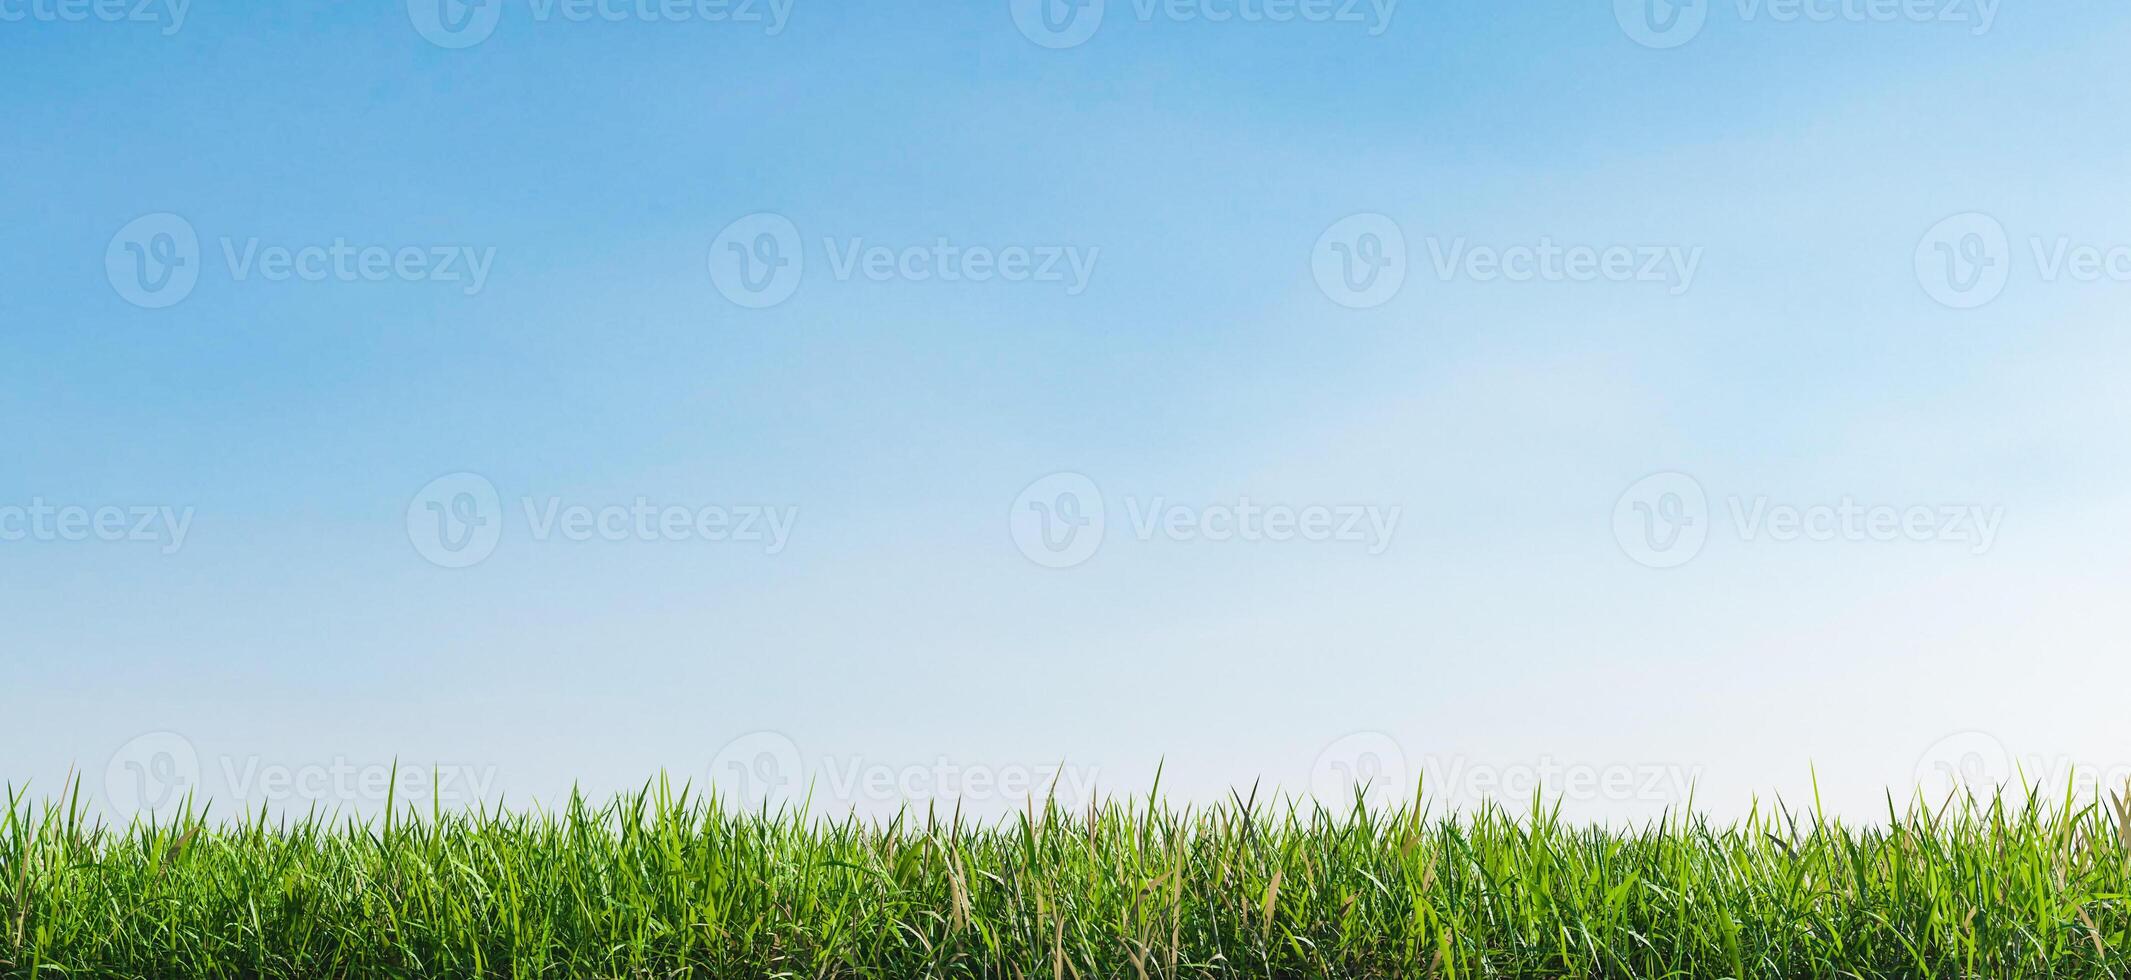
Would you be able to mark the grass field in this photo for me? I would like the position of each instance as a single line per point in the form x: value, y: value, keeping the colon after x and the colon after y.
x: 663, y: 884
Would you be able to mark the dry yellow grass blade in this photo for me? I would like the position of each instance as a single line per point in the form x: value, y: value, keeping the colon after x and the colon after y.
x: 1272, y: 897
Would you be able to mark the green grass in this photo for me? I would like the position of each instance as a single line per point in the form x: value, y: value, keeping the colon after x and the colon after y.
x: 663, y: 884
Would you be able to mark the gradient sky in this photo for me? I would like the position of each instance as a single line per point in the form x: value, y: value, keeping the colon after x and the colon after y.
x: 1506, y: 626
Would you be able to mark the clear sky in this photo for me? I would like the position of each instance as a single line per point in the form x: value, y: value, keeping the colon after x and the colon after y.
x: 906, y: 399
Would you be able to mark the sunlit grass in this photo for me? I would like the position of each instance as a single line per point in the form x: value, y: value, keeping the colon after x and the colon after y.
x: 663, y: 883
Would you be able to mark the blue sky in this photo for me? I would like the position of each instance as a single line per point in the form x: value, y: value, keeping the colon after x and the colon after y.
x: 1498, y: 426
